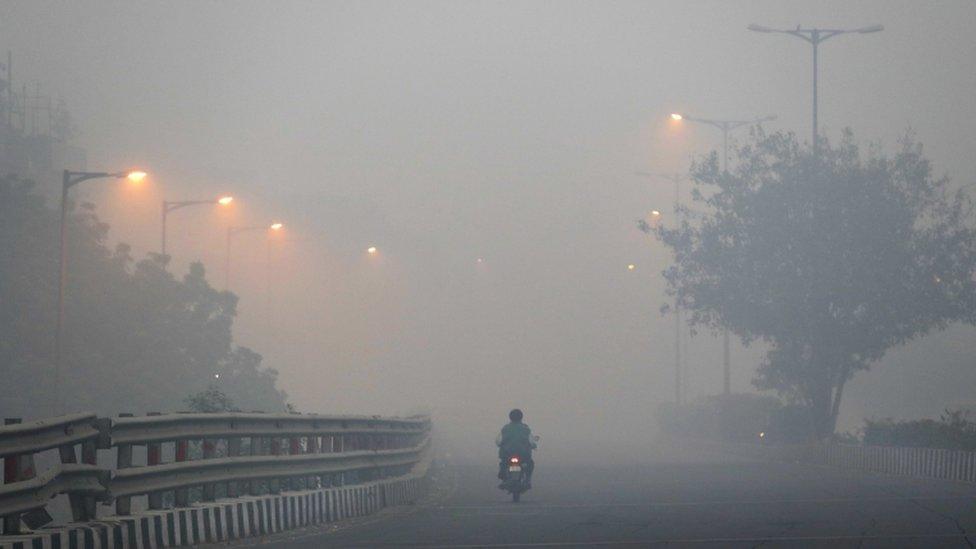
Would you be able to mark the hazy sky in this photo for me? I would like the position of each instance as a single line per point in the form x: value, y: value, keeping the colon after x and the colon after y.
x: 442, y: 132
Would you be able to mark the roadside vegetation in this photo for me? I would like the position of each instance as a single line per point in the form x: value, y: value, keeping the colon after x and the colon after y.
x: 138, y: 337
x: 954, y: 429
x: 765, y: 419
x: 829, y: 258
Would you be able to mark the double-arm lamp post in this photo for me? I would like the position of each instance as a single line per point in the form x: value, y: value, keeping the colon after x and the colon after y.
x: 169, y: 206
x: 814, y: 37
x: 70, y: 179
x: 725, y: 126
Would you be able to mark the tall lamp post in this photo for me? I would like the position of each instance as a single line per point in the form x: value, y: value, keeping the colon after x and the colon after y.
x: 814, y: 37
x: 675, y: 178
x: 169, y: 206
x: 233, y: 231
x: 725, y: 126
x: 70, y: 179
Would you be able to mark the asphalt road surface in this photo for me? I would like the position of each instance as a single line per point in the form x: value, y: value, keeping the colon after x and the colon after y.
x: 695, y: 501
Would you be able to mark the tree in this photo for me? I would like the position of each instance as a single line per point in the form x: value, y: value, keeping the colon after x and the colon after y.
x: 210, y: 400
x: 136, y: 338
x: 831, y: 259
x: 252, y: 387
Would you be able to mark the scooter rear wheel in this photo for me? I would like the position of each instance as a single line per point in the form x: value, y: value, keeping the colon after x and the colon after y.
x: 516, y: 496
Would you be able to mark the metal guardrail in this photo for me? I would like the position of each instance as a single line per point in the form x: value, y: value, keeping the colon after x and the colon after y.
x: 171, y: 476
x: 233, y: 452
x: 934, y: 463
x: 44, y: 434
x: 146, y: 429
x: 37, y: 492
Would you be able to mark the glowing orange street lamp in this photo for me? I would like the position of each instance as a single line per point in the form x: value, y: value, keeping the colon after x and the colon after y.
x: 676, y: 116
x: 136, y: 176
x: 70, y: 179
x: 169, y: 206
x: 371, y: 250
x: 631, y: 267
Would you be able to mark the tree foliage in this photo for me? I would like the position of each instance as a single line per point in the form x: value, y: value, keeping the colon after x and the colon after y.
x: 136, y: 338
x: 831, y: 259
x: 210, y: 400
x: 953, y: 430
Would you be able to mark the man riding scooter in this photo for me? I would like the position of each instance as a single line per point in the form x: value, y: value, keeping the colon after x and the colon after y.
x: 516, y: 440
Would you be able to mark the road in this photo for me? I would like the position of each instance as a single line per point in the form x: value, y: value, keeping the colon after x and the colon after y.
x: 694, y: 501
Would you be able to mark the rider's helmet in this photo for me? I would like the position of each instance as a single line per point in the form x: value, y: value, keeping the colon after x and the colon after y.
x: 515, y: 415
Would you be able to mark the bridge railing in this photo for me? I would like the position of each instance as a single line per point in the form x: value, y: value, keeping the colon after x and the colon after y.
x: 214, y: 454
x: 919, y: 462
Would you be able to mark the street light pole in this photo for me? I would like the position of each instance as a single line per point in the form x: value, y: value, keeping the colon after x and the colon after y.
x: 70, y: 179
x: 814, y: 37
x: 231, y: 231
x: 169, y: 206
x: 679, y: 375
x: 726, y: 126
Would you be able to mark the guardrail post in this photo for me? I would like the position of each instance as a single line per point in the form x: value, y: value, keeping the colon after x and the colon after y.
x: 181, y: 496
x: 67, y: 455
x: 253, y: 486
x: 314, y: 445
x: 123, y: 504
x: 233, y: 450
x: 209, y: 450
x: 11, y: 472
x: 154, y: 451
x: 294, y: 448
x: 89, y: 456
x: 274, y: 485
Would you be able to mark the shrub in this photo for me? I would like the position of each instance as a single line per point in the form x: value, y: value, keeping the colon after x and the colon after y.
x: 953, y: 430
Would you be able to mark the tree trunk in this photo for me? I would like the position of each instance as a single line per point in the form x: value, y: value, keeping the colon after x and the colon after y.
x: 821, y: 408
x: 835, y: 405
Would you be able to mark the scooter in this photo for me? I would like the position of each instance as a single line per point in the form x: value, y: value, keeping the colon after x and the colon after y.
x: 516, y: 480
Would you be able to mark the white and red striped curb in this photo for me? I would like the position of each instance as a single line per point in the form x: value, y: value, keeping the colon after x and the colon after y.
x: 225, y: 520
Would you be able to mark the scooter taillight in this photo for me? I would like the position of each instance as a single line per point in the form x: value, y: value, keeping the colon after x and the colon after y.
x: 514, y: 459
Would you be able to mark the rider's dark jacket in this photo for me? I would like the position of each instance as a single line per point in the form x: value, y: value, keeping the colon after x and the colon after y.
x: 516, y: 440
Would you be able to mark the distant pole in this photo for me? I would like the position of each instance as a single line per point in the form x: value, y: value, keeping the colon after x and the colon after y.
x: 62, y: 285
x: 680, y: 387
x: 162, y: 245
x: 814, y: 37
x: 269, y: 282
x: 231, y: 231
x: 677, y: 353
x: 726, y: 350
x: 230, y: 234
x: 726, y: 126
x: 815, y: 137
x: 169, y: 206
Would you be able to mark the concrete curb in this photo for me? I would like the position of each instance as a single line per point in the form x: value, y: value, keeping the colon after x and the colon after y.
x: 226, y: 519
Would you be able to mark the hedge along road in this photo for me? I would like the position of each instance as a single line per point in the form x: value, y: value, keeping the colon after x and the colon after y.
x: 670, y: 500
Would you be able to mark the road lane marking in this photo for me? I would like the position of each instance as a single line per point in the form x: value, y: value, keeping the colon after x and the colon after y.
x: 646, y: 542
x: 541, y: 505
